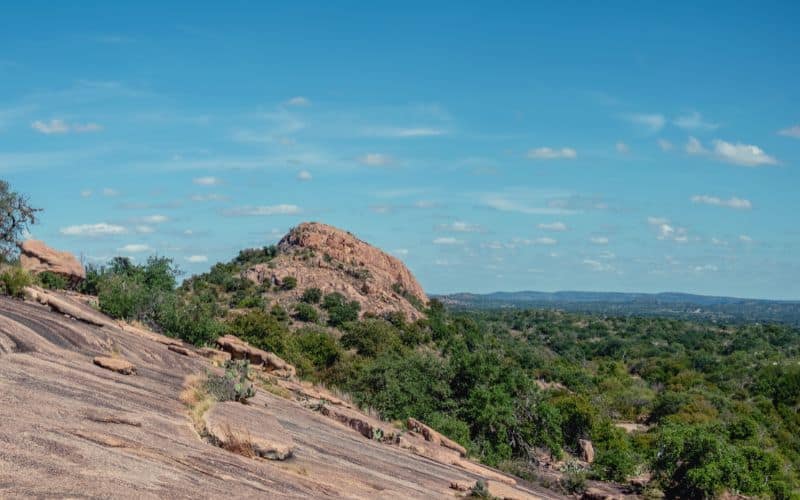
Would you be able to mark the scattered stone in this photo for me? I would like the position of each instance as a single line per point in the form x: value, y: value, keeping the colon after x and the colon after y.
x: 118, y: 365
x: 248, y: 431
x: 455, y: 485
x: 180, y: 350
x: 587, y: 450
x: 214, y: 354
x: 360, y: 423
x: 36, y: 257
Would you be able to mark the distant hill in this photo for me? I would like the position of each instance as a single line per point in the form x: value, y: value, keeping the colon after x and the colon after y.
x: 668, y: 304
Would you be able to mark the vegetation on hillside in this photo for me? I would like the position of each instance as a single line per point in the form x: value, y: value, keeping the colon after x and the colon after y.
x: 714, y: 408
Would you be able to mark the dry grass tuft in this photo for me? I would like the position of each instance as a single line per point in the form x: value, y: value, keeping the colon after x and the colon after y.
x: 238, y: 443
x: 197, y: 399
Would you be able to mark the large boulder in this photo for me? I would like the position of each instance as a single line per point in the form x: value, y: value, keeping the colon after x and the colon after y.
x: 587, y: 450
x: 435, y: 437
x: 248, y: 431
x: 36, y: 257
x: 239, y: 349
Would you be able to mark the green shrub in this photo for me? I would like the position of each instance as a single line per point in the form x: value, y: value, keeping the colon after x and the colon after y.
x: 306, y: 312
x: 371, y: 336
x: 263, y: 331
x: 319, y: 347
x: 52, y: 281
x: 234, y: 385
x: 340, y: 311
x: 289, y: 283
x: 14, y: 281
x: 191, y: 319
x: 311, y: 295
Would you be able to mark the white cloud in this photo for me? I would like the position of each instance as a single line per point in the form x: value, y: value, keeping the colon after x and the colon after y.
x: 446, y: 240
x: 401, y: 251
x: 207, y: 181
x: 304, y: 175
x: 665, y: 145
x: 404, y: 132
x: 86, y: 193
x: 424, y: 204
x: 56, y: 126
x: 793, y: 131
x: 596, y: 265
x: 747, y: 155
x: 282, y: 209
x: 694, y: 147
x: 552, y: 154
x: 732, y: 202
x: 506, y: 204
x: 195, y: 259
x: 745, y: 239
x: 375, y: 159
x: 144, y: 229
x: 553, y: 226
x: 694, y: 121
x: 666, y: 231
x: 208, y: 197
x: 134, y: 248
x: 99, y: 229
x: 706, y: 267
x: 652, y: 122
x: 622, y: 148
x: 545, y: 240
x: 155, y: 219
x: 599, y: 240
x: 110, y: 192
x: 461, y: 227
x: 299, y: 101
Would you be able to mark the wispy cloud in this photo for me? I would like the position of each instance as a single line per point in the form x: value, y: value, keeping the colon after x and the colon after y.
x: 134, y: 248
x: 56, y: 126
x: 793, y: 131
x: 553, y: 226
x: 447, y: 240
x: 596, y: 265
x: 460, y: 227
x: 622, y: 148
x: 546, y: 153
x: 403, y: 132
x: 155, y: 219
x: 695, y: 147
x: 254, y: 211
x: 207, y: 181
x: 652, y: 122
x: 304, y: 175
x: 299, y: 101
x: 733, y: 202
x: 599, y: 240
x: 694, y: 121
x: 196, y: 259
x: 375, y: 160
x: 512, y: 203
x: 91, y: 230
x: 665, y: 145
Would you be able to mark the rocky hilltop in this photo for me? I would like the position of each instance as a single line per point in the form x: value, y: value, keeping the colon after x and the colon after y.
x: 321, y: 256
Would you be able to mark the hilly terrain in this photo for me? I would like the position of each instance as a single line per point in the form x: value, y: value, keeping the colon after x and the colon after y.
x: 667, y: 304
x: 318, y: 367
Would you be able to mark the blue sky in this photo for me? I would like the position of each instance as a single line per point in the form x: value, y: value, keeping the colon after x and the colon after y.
x: 622, y: 147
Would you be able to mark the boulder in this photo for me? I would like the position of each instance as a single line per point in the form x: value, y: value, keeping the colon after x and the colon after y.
x: 364, y: 425
x: 238, y: 349
x: 598, y: 494
x: 36, y: 257
x: 248, y: 431
x: 435, y: 437
x: 587, y: 450
x: 118, y: 365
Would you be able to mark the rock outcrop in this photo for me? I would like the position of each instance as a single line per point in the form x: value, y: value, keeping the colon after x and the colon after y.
x: 242, y: 350
x: 118, y: 365
x: 36, y: 257
x: 65, y: 424
x: 248, y: 431
x: 321, y: 256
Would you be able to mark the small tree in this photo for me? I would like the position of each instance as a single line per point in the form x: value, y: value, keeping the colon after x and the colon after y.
x: 16, y: 215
